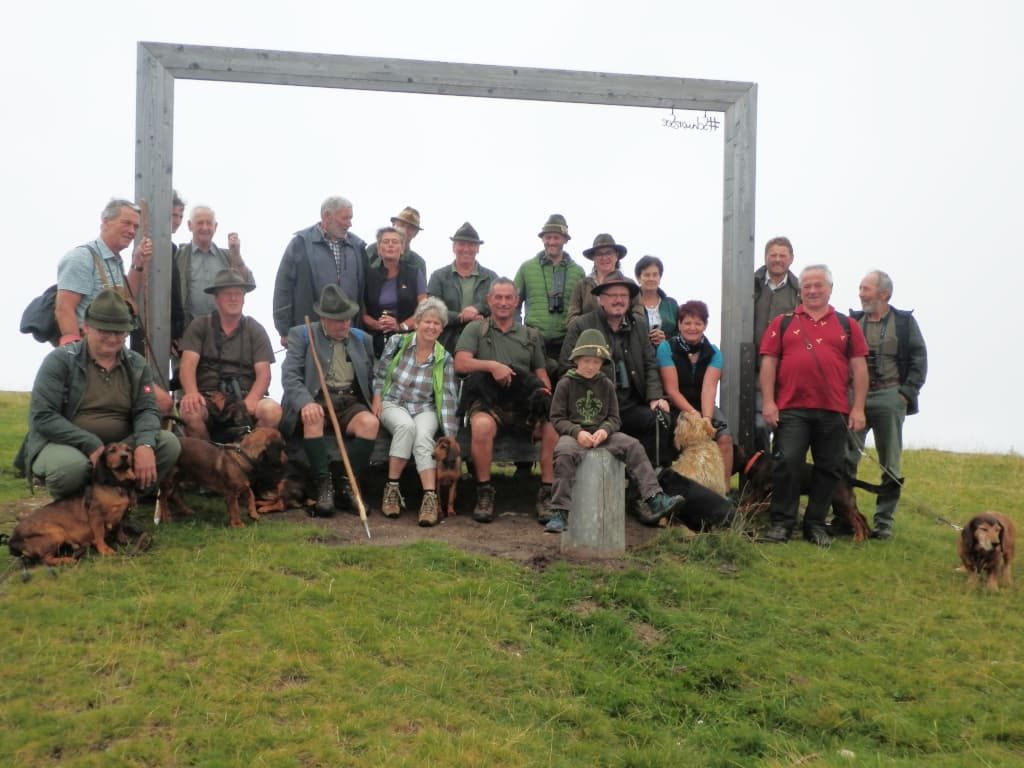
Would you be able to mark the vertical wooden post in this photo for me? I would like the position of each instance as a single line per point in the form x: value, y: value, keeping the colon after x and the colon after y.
x: 597, y: 520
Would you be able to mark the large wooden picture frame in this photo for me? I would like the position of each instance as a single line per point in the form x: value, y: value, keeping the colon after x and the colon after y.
x: 160, y: 64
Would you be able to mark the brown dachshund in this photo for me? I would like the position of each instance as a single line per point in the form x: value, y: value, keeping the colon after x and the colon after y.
x: 224, y: 469
x: 62, y: 531
x: 448, y: 456
x: 986, y: 546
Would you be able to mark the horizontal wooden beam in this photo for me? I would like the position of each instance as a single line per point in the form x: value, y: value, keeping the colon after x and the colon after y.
x: 319, y: 70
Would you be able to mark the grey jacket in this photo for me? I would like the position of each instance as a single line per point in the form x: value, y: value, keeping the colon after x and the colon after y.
x: 306, y: 267
x: 299, y: 375
x: 769, y: 304
x: 444, y: 284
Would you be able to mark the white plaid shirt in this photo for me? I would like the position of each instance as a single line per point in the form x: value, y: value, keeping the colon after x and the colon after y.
x: 412, y: 383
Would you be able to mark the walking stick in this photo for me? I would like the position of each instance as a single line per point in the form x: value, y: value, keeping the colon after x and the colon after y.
x: 337, y: 430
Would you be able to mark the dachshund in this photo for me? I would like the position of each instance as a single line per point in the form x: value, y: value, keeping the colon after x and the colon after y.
x: 228, y: 470
x: 63, y: 530
x: 699, y: 458
x: 524, y: 388
x: 986, y: 546
x: 448, y: 456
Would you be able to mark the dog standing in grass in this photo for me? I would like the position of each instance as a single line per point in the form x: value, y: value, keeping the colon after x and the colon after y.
x: 987, y: 546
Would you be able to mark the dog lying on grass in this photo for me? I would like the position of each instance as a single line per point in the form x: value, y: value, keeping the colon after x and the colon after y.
x: 699, y: 458
x: 224, y: 469
x: 63, y: 530
x: 986, y: 547
x: 448, y: 456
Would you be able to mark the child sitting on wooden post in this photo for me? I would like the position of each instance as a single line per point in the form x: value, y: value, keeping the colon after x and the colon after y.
x: 585, y: 414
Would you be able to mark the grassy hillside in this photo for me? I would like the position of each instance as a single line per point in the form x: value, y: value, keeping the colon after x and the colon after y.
x: 273, y: 646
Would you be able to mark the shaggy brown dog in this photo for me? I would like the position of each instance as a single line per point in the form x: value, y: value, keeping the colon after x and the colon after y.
x: 986, y: 546
x: 448, y: 456
x: 63, y: 530
x: 699, y: 458
x: 227, y: 470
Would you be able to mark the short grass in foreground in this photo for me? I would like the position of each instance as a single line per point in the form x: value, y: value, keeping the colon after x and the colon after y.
x: 272, y: 647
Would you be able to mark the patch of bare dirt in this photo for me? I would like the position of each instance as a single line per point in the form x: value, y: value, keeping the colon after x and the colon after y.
x: 514, y: 535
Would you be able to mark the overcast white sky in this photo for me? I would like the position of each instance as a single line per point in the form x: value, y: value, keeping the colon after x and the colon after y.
x: 888, y: 137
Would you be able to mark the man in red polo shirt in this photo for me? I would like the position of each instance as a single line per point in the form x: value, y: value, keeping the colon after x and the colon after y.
x: 807, y: 361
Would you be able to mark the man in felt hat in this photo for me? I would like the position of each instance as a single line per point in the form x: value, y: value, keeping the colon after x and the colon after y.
x: 407, y: 221
x: 327, y: 253
x: 196, y: 266
x: 462, y: 285
x: 585, y: 415
x: 607, y: 256
x: 226, y: 358
x: 498, y: 346
x: 346, y: 357
x: 545, y: 283
x: 88, y: 269
x: 633, y: 366
x: 89, y: 393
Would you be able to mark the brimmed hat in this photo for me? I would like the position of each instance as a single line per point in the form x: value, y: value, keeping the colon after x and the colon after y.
x: 334, y: 304
x: 616, y: 278
x: 230, y: 278
x: 555, y: 225
x: 410, y: 216
x: 109, y: 312
x: 467, y: 234
x: 591, y: 343
x: 604, y: 241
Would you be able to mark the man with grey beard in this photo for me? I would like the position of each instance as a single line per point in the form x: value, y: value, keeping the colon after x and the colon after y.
x: 897, y: 367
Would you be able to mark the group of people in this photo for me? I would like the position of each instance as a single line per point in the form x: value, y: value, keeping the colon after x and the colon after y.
x: 389, y: 346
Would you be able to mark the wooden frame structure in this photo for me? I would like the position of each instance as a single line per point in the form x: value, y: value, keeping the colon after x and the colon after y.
x: 160, y: 64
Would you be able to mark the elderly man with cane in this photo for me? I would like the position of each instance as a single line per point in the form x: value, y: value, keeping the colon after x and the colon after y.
x: 329, y: 367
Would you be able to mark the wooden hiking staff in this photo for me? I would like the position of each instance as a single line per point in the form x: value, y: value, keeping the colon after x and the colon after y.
x: 329, y: 404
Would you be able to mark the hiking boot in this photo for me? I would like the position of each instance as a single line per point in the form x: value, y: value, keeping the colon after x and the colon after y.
x: 325, y: 498
x: 544, y: 510
x: 392, y: 503
x: 558, y: 521
x: 644, y: 514
x: 776, y: 534
x: 483, y: 512
x: 663, y: 506
x: 882, y: 534
x: 839, y: 528
x: 818, y: 536
x: 428, y: 509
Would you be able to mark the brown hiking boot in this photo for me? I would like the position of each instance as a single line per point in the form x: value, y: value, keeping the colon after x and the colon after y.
x: 483, y: 512
x: 428, y: 509
x: 544, y: 504
x: 391, y: 505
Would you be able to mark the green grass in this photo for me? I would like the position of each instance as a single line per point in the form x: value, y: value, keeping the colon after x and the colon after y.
x: 270, y: 647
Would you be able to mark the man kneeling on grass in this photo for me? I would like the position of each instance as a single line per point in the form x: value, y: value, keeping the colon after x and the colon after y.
x: 585, y: 414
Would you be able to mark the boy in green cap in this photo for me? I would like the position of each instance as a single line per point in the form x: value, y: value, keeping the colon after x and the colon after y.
x: 585, y: 414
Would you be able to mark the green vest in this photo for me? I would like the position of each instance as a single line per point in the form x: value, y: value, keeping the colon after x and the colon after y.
x: 438, y: 372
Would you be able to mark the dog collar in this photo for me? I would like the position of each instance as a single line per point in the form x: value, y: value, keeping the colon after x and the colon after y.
x: 753, y: 460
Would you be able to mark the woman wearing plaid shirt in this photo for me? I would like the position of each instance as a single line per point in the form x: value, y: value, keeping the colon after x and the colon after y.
x: 415, y: 393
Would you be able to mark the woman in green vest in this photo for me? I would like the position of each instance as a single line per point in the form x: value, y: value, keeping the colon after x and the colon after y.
x: 415, y: 394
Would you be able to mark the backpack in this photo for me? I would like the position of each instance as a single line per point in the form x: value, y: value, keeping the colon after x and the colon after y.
x: 39, y: 319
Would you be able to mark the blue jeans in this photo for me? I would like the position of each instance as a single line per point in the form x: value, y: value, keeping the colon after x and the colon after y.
x: 824, y: 432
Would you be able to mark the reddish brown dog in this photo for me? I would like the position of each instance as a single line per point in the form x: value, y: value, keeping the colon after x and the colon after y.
x: 63, y: 530
x: 986, y: 546
x: 223, y: 469
x: 448, y: 456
